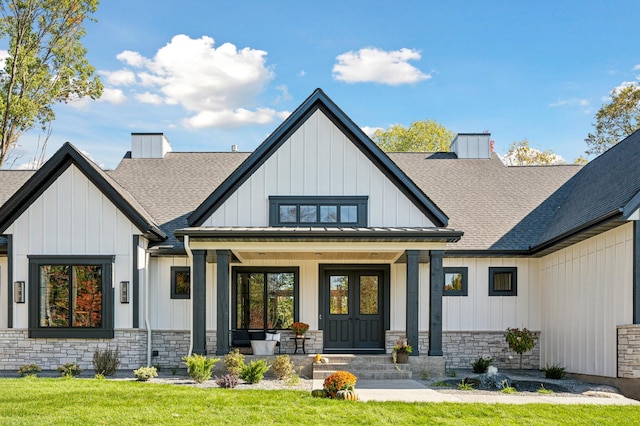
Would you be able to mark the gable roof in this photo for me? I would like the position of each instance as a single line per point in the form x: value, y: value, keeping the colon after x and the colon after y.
x: 318, y: 100
x: 66, y: 156
x: 10, y: 181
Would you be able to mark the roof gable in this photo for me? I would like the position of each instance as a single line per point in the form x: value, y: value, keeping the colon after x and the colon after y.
x: 66, y: 156
x: 318, y: 100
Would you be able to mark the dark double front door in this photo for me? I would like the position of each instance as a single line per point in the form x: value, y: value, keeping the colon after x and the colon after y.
x: 354, y: 309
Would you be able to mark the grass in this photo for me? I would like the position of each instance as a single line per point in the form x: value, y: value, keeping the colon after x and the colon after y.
x: 99, y: 402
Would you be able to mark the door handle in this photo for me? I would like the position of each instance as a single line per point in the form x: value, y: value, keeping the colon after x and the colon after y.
x: 320, y: 316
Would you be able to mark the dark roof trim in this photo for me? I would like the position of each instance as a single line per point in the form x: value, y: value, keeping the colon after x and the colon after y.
x: 317, y: 100
x: 631, y: 207
x: 52, y: 169
x: 486, y: 253
x: 280, y: 235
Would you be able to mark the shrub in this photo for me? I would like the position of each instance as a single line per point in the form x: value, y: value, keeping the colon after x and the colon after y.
x: 234, y: 361
x: 98, y: 376
x: 144, y: 374
x: 70, y: 369
x: 465, y: 385
x: 554, y: 372
x: 283, y: 368
x: 520, y: 341
x: 340, y: 380
x: 544, y: 390
x: 106, y: 362
x: 199, y: 367
x: 254, y: 371
x: 481, y: 365
x: 29, y: 370
x: 228, y: 381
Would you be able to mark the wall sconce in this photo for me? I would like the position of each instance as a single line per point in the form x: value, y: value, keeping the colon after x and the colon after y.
x: 124, y: 291
x: 18, y: 291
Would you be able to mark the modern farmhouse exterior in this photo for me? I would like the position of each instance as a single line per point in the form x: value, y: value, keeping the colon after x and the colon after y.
x: 171, y: 251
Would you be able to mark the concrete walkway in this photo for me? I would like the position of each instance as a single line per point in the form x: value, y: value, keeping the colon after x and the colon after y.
x: 413, y: 391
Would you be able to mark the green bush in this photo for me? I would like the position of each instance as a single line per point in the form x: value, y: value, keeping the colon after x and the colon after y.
x: 106, y: 362
x: 144, y: 374
x: 199, y: 367
x: 254, y: 371
x: 283, y: 368
x: 481, y: 365
x: 520, y: 341
x: 554, y: 372
x: 70, y: 369
x: 234, y: 361
x: 29, y: 370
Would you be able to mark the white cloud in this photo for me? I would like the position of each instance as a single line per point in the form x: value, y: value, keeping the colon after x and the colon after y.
x: 122, y: 77
x: 583, y: 104
x: 378, y: 66
x: 219, y: 85
x: 149, y: 98
x: 284, y: 93
x: 112, y: 96
x: 636, y: 68
x: 369, y: 131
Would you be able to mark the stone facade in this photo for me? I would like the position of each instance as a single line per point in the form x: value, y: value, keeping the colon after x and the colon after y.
x: 461, y: 348
x: 629, y: 351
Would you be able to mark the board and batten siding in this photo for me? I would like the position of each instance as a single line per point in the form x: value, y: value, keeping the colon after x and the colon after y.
x: 73, y: 217
x: 318, y: 159
x: 480, y: 312
x: 587, y: 290
x: 4, y: 286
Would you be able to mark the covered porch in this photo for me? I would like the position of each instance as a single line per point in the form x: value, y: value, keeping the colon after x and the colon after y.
x: 358, y: 288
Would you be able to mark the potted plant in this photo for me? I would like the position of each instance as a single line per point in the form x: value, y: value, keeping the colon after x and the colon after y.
x: 401, y: 351
x: 299, y: 328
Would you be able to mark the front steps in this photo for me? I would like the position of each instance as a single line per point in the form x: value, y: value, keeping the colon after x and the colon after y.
x: 366, y: 367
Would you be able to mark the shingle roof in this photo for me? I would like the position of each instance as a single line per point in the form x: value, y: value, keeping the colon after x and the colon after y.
x: 486, y: 199
x: 10, y: 182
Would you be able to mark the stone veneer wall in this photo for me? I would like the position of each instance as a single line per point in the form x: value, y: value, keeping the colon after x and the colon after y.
x: 461, y: 348
x: 49, y: 353
x: 629, y: 351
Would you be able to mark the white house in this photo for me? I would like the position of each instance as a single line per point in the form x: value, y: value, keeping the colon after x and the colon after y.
x: 170, y: 251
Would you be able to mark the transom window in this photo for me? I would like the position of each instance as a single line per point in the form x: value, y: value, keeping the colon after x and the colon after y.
x: 503, y: 281
x: 317, y: 210
x: 455, y: 281
x: 73, y: 296
x: 265, y: 298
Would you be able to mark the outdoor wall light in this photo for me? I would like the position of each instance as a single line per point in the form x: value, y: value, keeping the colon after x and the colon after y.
x: 18, y: 291
x: 124, y: 291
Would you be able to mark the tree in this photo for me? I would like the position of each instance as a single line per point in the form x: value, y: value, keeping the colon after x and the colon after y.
x: 615, y: 120
x: 521, y: 154
x: 520, y: 341
x: 45, y: 63
x: 421, y: 136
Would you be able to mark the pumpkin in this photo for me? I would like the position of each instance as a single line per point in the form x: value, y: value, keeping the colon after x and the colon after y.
x: 317, y: 359
x: 319, y: 393
x: 348, y: 395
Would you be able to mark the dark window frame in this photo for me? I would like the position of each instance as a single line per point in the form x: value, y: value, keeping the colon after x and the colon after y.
x: 361, y: 203
x: 465, y: 280
x: 514, y: 281
x: 105, y: 331
x: 264, y: 270
x: 174, y: 271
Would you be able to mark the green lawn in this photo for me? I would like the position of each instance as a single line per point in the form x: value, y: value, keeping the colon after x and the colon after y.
x: 95, y: 402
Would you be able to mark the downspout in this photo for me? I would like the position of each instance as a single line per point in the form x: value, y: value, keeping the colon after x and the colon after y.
x: 147, y: 291
x: 190, y: 256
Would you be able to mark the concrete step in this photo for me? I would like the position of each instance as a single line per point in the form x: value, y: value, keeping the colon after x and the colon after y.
x: 367, y: 374
x: 368, y: 367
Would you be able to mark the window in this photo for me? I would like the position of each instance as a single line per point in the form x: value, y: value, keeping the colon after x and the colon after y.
x: 455, y: 281
x: 503, y: 281
x: 265, y: 298
x: 317, y: 211
x: 71, y: 296
x: 180, y: 282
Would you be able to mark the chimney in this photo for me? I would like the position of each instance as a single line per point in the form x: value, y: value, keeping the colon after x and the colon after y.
x: 472, y: 145
x: 234, y: 148
x: 149, y: 145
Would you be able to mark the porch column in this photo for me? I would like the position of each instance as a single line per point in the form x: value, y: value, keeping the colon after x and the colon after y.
x: 636, y: 272
x: 413, y: 273
x: 435, y: 303
x: 222, y: 302
x: 199, y: 299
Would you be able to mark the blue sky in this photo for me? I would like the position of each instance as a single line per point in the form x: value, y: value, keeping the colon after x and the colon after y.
x: 209, y: 74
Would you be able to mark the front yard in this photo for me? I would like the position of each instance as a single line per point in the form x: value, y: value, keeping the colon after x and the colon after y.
x: 48, y: 401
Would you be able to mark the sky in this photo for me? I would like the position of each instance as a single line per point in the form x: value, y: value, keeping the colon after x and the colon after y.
x: 211, y: 74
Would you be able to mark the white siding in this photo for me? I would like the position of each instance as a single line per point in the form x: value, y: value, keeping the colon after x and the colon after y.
x: 587, y: 291
x: 3, y: 292
x: 318, y: 159
x: 72, y: 217
x: 480, y: 312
